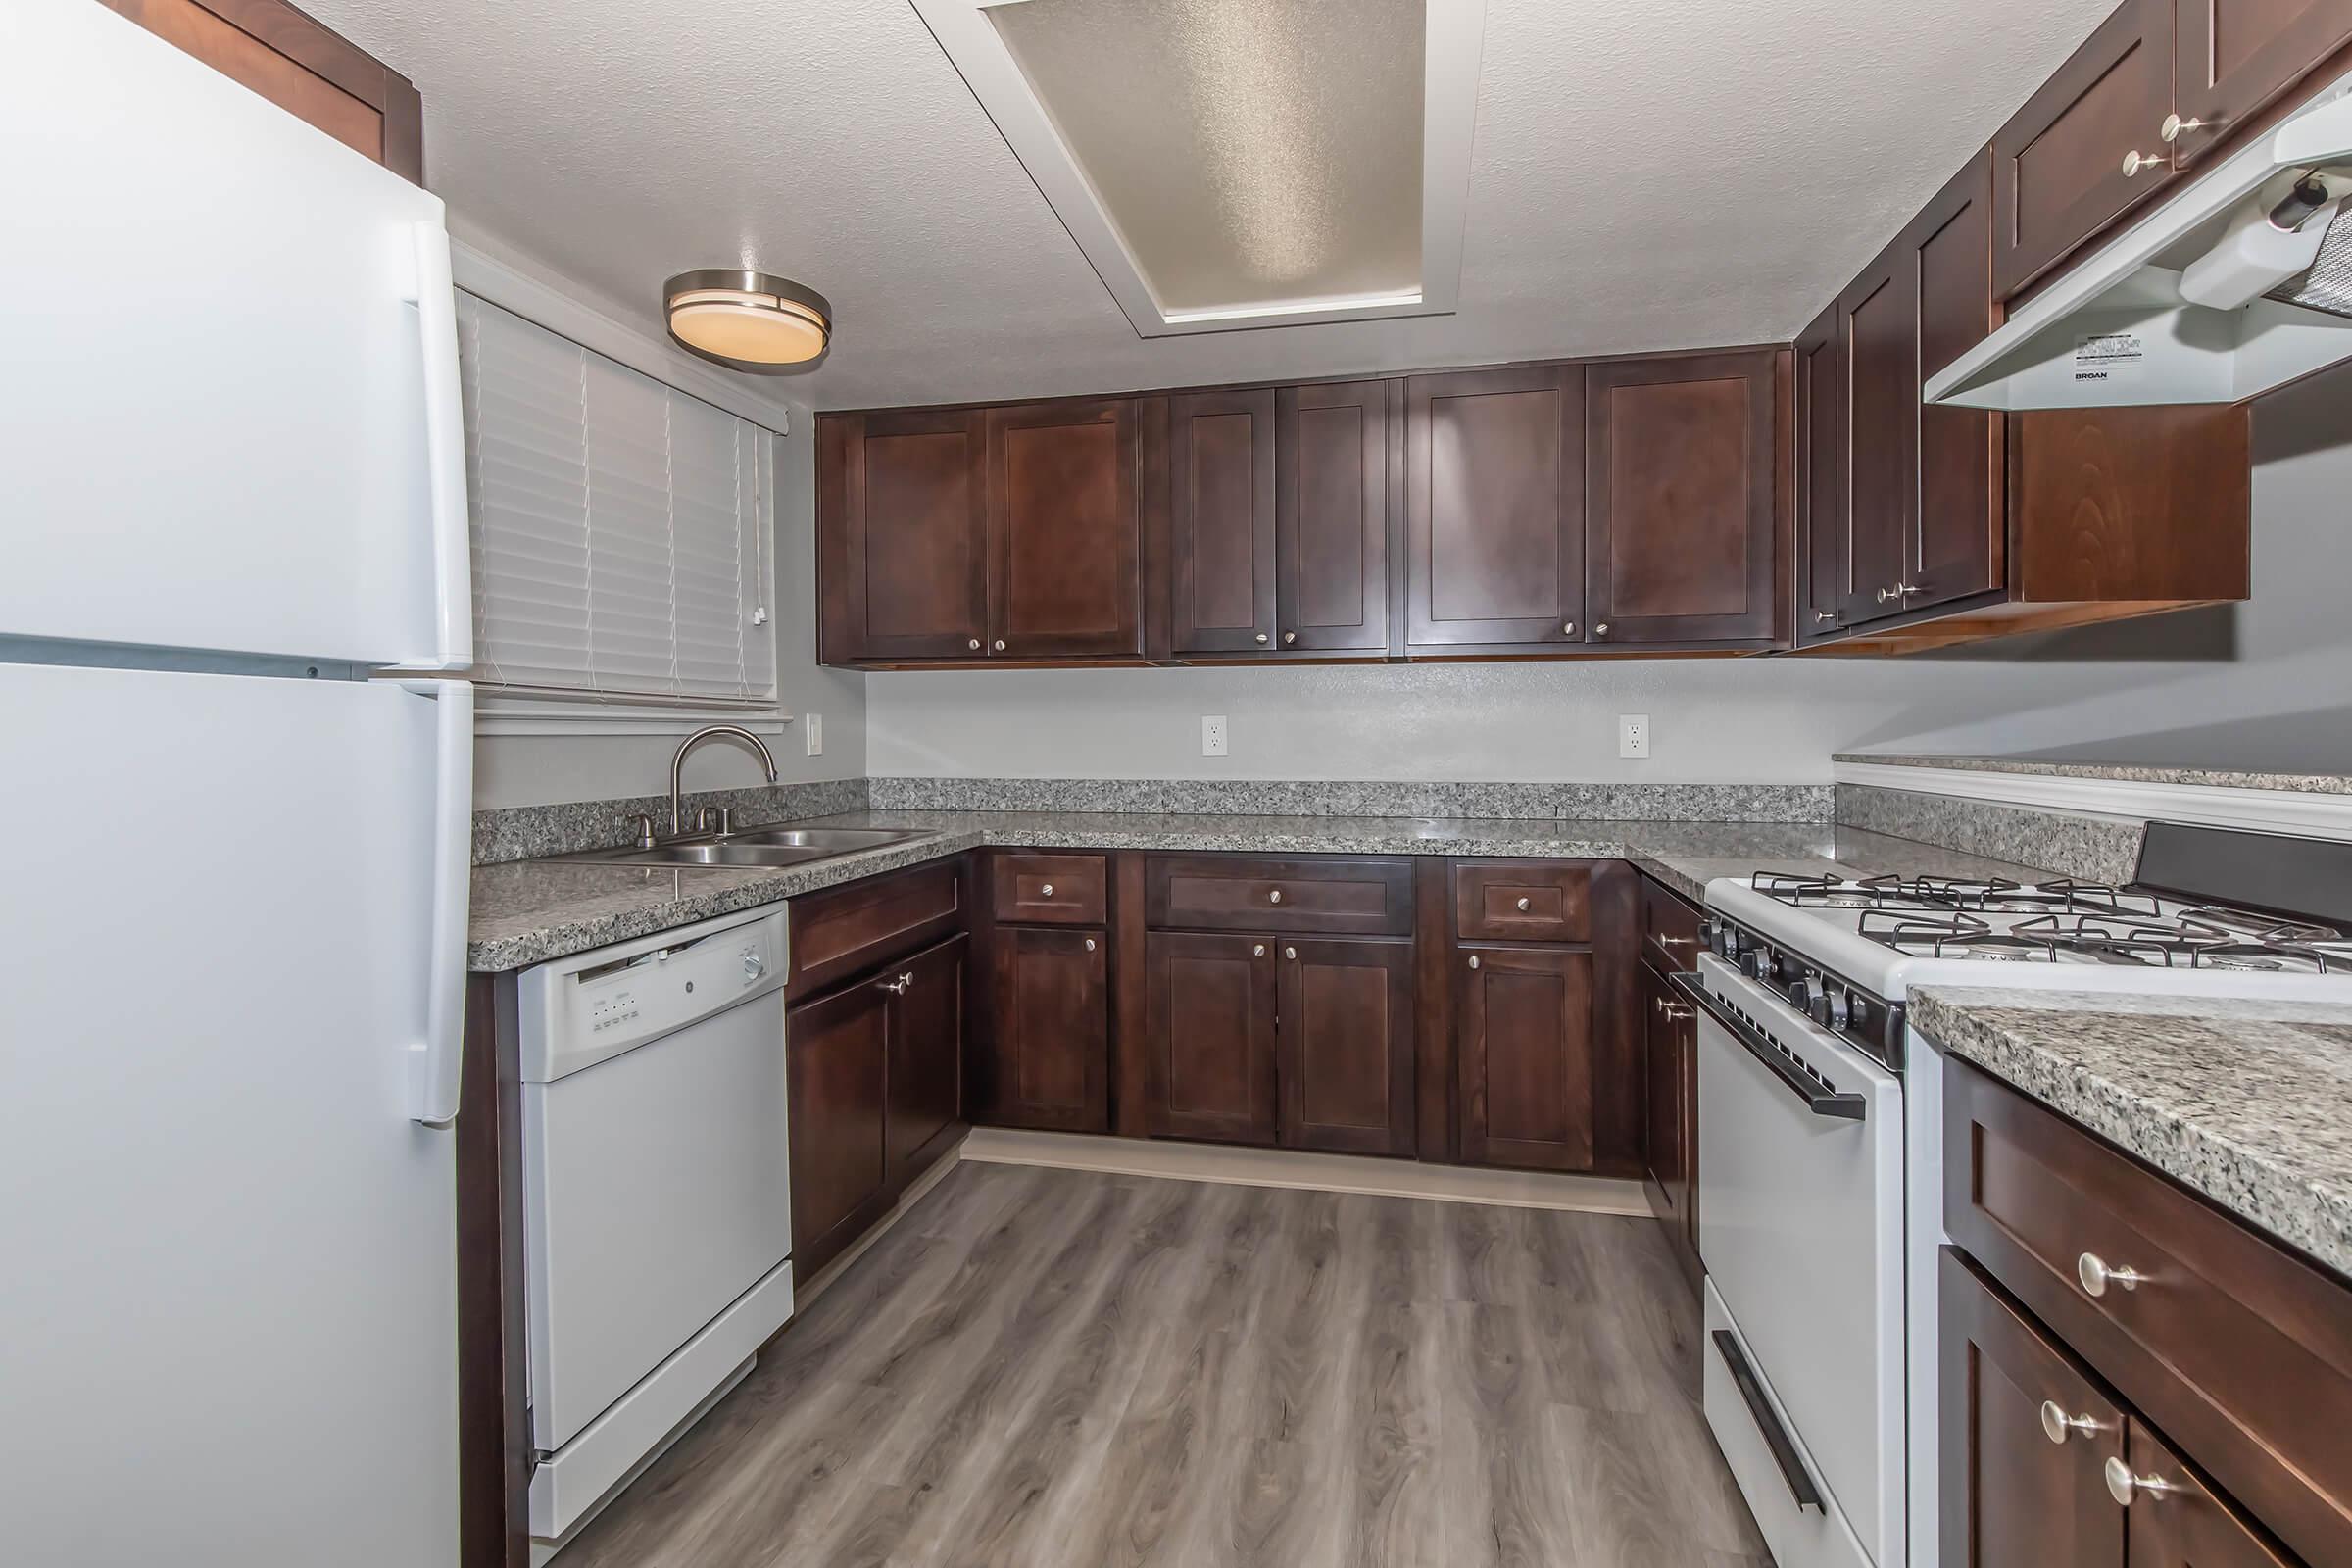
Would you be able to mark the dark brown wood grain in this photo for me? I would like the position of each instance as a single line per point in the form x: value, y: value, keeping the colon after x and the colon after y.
x: 1681, y: 520
x: 925, y: 1088
x: 1494, y: 508
x: 2190, y: 1525
x: 1880, y: 313
x: 1316, y: 895
x: 1669, y: 928
x: 2233, y: 58
x: 1151, y: 418
x: 1221, y: 459
x: 1210, y: 1040
x: 2128, y: 505
x: 1823, y: 563
x: 2010, y: 1496
x: 1065, y: 532
x: 1344, y: 1035
x: 1962, y: 497
x: 1524, y: 1047
x: 837, y: 1056
x: 1048, y: 1064
x: 1523, y: 901
x: 1669, y: 1105
x: 843, y: 931
x: 494, y: 1438
x: 2058, y: 163
x: 2239, y: 1351
x: 1033, y: 887
x: 302, y: 67
x: 1333, y: 505
x: 902, y: 536
x: 1130, y: 998
x: 1433, y: 1009
x: 1619, y: 1115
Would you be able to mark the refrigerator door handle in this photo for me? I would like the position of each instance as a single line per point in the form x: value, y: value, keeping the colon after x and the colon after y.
x: 436, y: 1062
x: 436, y: 302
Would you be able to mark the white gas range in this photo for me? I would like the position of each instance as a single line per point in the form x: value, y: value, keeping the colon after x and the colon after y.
x: 1820, y: 1118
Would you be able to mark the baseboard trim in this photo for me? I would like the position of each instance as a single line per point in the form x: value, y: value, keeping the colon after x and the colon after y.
x: 1323, y: 1173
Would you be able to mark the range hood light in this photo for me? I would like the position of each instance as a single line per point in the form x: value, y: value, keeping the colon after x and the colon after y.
x: 747, y: 320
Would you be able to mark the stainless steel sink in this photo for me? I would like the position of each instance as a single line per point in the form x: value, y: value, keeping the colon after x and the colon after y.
x: 755, y: 847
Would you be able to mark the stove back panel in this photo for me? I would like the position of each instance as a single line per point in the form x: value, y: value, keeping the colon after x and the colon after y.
x: 2278, y: 874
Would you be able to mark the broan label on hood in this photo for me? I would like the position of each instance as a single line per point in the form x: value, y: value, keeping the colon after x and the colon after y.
x: 2109, y: 355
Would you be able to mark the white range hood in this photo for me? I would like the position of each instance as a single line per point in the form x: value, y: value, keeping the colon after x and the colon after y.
x: 2115, y: 332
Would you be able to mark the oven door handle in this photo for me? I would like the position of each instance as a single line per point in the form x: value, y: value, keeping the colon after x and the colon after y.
x: 1776, y: 1436
x: 1819, y: 1101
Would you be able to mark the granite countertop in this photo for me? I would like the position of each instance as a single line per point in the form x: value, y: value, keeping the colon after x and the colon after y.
x: 2125, y: 773
x: 2248, y: 1102
x: 527, y: 911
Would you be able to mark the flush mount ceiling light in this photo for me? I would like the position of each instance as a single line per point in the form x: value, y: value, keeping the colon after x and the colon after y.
x: 747, y: 320
x: 1230, y: 163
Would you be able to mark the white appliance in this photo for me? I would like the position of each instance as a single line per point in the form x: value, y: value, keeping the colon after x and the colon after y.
x: 2121, y: 327
x: 1821, y: 1135
x: 232, y: 942
x: 657, y: 1196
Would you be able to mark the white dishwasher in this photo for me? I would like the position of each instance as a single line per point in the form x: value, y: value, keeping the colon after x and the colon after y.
x: 657, y: 1196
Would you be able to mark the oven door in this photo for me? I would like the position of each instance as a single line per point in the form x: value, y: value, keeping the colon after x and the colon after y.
x: 1800, y: 1211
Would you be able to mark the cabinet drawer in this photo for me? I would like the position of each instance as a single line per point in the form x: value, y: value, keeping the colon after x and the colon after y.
x: 1244, y: 893
x: 2239, y: 1352
x: 839, y: 933
x: 1050, y: 889
x: 1523, y: 901
x: 1669, y: 928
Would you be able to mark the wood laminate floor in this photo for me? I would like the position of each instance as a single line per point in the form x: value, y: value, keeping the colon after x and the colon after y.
x: 1056, y: 1370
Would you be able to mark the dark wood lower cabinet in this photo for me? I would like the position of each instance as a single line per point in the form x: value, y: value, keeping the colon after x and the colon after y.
x: 1345, y: 1027
x: 837, y: 1051
x: 1523, y: 1044
x: 925, y: 1084
x: 1210, y: 1024
x: 2185, y: 1525
x: 1045, y: 1059
x: 1671, y: 1081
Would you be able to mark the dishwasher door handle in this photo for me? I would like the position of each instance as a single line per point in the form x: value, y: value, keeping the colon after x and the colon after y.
x: 1818, y: 1098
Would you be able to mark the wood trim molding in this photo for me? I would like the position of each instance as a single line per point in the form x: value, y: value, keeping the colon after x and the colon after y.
x: 2313, y: 814
x: 1310, y: 1171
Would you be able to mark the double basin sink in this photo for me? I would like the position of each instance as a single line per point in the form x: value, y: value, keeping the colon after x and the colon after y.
x: 753, y: 847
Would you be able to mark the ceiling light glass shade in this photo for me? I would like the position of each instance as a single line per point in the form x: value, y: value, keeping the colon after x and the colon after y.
x: 747, y: 320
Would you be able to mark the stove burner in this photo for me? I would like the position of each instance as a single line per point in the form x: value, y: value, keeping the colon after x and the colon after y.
x: 1986, y: 895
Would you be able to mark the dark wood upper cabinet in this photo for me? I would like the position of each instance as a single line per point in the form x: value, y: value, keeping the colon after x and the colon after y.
x: 1495, y: 509
x: 925, y: 1094
x: 1334, y: 458
x: 300, y: 65
x: 1064, y: 577
x: 1221, y: 456
x: 2231, y: 58
x: 2059, y: 171
x: 1681, y: 522
x: 1948, y: 246
x: 1523, y: 1045
x: 902, y: 535
x: 1046, y: 1054
x: 1822, y: 566
x: 2010, y: 1494
x: 1209, y: 1042
x: 1346, y: 1044
x: 1878, y: 314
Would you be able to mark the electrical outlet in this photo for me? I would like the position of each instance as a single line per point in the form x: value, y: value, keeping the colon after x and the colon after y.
x: 1632, y: 734
x: 1212, y: 735
x: 813, y: 726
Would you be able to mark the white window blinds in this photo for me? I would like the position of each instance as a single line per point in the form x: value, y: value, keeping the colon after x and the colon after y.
x: 621, y: 527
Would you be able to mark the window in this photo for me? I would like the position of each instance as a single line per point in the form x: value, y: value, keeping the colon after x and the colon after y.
x: 621, y: 527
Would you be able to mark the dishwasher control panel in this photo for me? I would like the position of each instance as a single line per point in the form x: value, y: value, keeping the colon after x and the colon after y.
x: 592, y: 1006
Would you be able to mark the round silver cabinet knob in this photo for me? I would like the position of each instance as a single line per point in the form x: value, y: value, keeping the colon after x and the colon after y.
x: 2137, y: 163
x: 1261, y: 637
x: 1523, y: 905
x: 2175, y: 127
x: 1274, y: 897
x: 1289, y: 953
x: 1258, y: 952
x: 1474, y: 962
x: 1090, y: 943
x: 1567, y: 628
x: 1825, y: 615
x: 2058, y: 1426
x: 1046, y: 892
x: 2096, y: 1274
x: 1000, y: 644
x: 1600, y: 628
x: 975, y: 645
x: 2123, y: 1485
x: 1288, y: 637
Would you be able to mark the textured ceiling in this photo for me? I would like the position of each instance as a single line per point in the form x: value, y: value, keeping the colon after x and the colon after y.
x: 1648, y: 174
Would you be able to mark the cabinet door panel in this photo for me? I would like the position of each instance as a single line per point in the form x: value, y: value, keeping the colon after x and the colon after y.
x: 1049, y: 1056
x: 1524, y: 1055
x: 1064, y: 533
x: 2058, y: 163
x: 1881, y: 314
x: 1680, y: 524
x: 1495, y: 506
x: 1824, y: 579
x: 837, y: 1054
x: 925, y: 1085
x: 1331, y: 462
x: 902, y: 532
x: 1222, y: 450
x: 2012, y: 1496
x: 1961, y: 493
x: 2231, y: 56
x: 2187, y: 1525
x: 1346, y: 1029
x: 1669, y: 1110
x: 1209, y: 1036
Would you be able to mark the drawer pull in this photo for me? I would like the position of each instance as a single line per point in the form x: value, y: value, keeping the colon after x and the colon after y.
x: 1090, y: 943
x: 1525, y: 906
x: 1046, y: 892
x: 2123, y: 1485
x: 902, y: 985
x: 2058, y: 1426
x: 1474, y: 963
x: 1676, y: 1012
x: 2096, y: 1274
x: 1258, y: 952
x: 1289, y: 953
x: 1677, y: 942
x: 1274, y: 897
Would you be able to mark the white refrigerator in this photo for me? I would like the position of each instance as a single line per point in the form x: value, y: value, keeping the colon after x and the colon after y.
x: 235, y: 791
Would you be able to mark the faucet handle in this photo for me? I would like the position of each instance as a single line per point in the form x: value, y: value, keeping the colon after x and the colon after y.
x: 725, y: 819
x: 645, y: 831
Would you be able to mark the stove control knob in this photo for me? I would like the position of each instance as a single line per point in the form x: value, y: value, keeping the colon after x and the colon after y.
x: 1812, y: 995
x: 1756, y: 963
x: 1834, y: 1010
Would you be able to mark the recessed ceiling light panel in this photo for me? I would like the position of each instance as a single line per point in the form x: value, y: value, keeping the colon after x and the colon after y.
x: 1240, y: 162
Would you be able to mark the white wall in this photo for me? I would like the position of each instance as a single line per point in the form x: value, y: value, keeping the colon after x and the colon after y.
x: 540, y: 769
x: 2266, y: 685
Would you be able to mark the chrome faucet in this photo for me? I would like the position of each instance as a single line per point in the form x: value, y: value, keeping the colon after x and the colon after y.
x: 678, y: 765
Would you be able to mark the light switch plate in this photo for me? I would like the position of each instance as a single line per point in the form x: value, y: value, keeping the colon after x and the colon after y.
x: 813, y: 726
x: 1632, y: 734
x: 1212, y: 735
